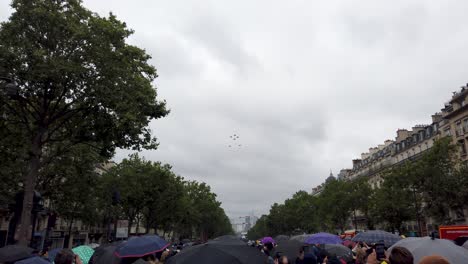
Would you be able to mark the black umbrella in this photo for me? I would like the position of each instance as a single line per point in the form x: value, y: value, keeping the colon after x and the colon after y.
x: 290, y: 248
x: 104, y: 254
x: 12, y: 253
x: 281, y: 238
x: 215, y: 253
x: 339, y: 251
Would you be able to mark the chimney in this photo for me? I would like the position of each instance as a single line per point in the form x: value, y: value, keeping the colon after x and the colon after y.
x: 356, y: 162
x: 402, y: 134
x: 436, y: 118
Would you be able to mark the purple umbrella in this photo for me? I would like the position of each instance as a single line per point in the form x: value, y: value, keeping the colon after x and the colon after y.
x: 268, y: 240
x: 323, y: 238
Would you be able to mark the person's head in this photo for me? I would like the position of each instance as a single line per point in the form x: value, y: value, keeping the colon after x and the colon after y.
x: 301, y: 252
x: 401, y: 255
x: 310, y: 259
x: 323, y: 255
x: 66, y: 256
x: 268, y: 246
x: 361, y: 256
x: 150, y: 259
x: 433, y: 260
x: 283, y: 260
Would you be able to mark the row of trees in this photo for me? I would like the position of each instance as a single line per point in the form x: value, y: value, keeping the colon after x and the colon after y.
x: 149, y: 195
x: 434, y: 186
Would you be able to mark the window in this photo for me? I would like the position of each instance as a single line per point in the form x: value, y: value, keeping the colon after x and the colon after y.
x: 462, y: 147
x: 459, y: 129
x: 447, y: 132
x: 465, y: 125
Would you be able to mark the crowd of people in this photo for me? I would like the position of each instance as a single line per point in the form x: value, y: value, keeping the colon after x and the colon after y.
x: 362, y: 254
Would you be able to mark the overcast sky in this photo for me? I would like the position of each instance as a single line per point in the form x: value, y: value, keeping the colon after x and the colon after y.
x: 307, y: 85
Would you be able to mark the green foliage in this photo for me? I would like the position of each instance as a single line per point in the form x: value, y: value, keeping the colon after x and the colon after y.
x: 432, y: 186
x: 79, y: 82
x: 151, y: 195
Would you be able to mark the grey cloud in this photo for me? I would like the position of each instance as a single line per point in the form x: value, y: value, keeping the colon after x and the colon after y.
x: 308, y: 85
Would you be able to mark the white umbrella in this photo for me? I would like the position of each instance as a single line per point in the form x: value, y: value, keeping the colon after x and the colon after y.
x: 465, y: 245
x: 427, y: 246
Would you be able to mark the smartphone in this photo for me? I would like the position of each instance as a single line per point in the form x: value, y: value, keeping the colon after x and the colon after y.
x: 380, y: 250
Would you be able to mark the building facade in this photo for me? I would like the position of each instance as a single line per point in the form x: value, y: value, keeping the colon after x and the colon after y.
x: 410, y: 145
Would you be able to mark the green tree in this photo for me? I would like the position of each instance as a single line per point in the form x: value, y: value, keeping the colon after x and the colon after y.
x: 335, y: 206
x: 393, y: 202
x: 79, y: 83
x: 360, y: 195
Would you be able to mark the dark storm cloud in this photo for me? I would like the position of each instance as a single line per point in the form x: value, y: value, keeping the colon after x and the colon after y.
x: 307, y: 85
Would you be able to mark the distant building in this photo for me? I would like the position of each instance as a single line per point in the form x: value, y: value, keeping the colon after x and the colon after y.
x: 410, y: 145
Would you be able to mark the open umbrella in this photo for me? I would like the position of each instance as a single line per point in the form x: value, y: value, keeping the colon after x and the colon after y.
x: 290, y: 248
x: 300, y: 238
x: 465, y: 245
x: 12, y: 253
x: 375, y: 236
x: 105, y: 254
x: 84, y: 252
x: 52, y: 253
x: 33, y: 260
x: 426, y: 246
x: 268, y: 240
x: 281, y: 238
x: 137, y: 247
x: 323, y: 238
x: 214, y: 253
x: 339, y: 251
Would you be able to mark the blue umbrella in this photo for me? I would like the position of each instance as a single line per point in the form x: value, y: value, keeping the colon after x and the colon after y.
x: 323, y: 238
x: 33, y: 260
x: 375, y: 236
x: 52, y: 253
x: 141, y: 246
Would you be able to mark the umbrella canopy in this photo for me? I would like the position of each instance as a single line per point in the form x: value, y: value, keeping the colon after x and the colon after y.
x: 289, y: 248
x: 300, y: 238
x: 426, y: 246
x: 214, y: 253
x: 339, y: 251
x: 465, y: 245
x: 84, y: 252
x: 52, y: 253
x: 268, y: 240
x: 140, y: 246
x: 33, y: 260
x: 105, y: 254
x: 375, y: 236
x: 12, y: 253
x: 323, y: 238
x: 281, y: 238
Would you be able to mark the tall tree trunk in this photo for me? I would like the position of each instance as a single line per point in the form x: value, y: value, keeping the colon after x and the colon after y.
x: 29, y: 185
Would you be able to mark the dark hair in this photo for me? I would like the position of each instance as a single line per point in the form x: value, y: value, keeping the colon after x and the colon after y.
x: 269, y: 246
x: 65, y: 256
x: 401, y: 255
